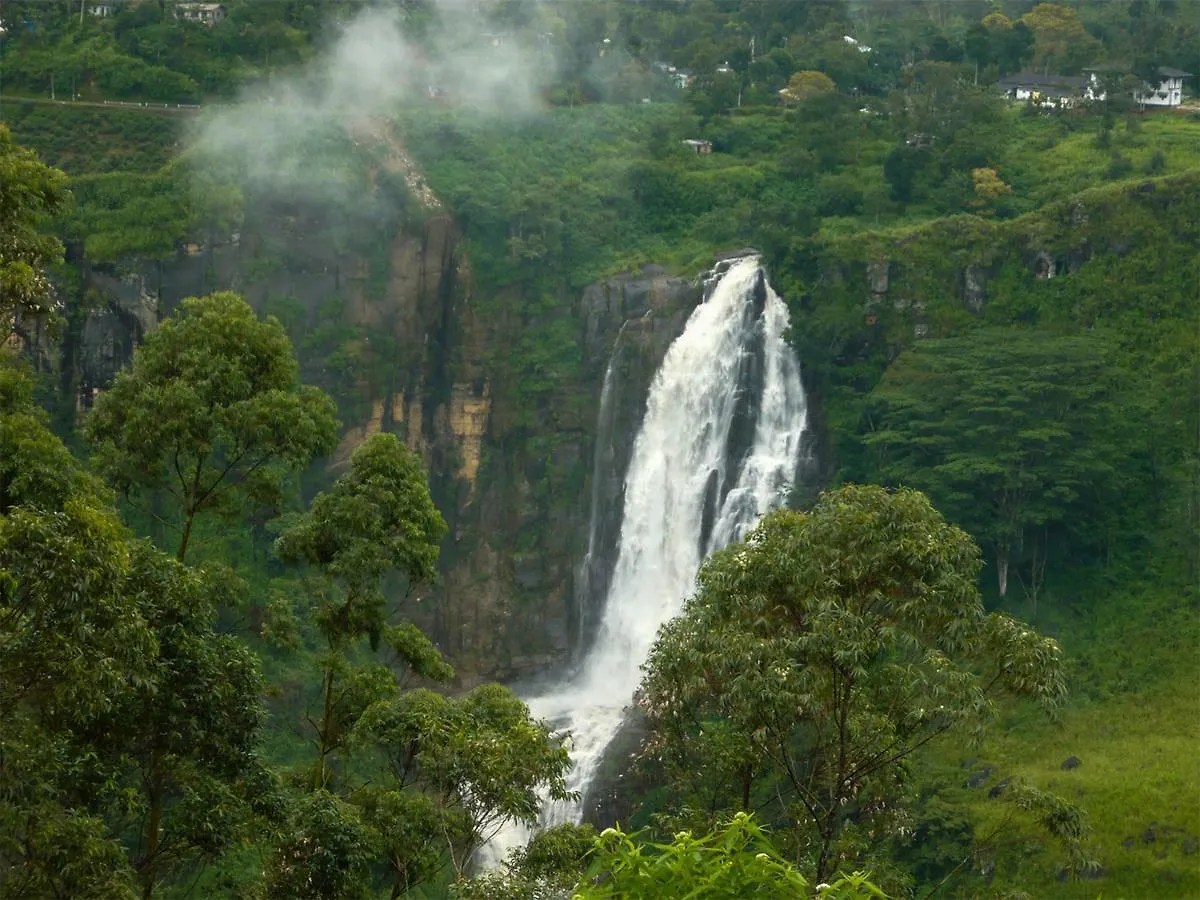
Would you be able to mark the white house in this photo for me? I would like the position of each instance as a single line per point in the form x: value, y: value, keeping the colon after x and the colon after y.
x: 205, y: 13
x: 1168, y: 93
x: 102, y: 10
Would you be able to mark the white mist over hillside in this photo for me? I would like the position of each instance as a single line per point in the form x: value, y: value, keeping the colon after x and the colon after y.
x: 276, y: 136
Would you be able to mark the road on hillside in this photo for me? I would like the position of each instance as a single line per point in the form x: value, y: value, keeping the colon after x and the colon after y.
x: 111, y: 104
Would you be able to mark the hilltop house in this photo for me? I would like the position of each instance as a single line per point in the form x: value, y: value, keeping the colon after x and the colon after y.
x: 683, y: 78
x: 701, y: 148
x: 205, y: 13
x: 1168, y: 93
x: 1059, y: 91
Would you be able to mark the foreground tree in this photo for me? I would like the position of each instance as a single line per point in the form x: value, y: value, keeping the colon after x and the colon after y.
x: 127, y: 721
x: 71, y: 640
x: 447, y: 771
x: 211, y: 413
x: 189, y: 738
x: 457, y: 770
x: 735, y: 860
x: 546, y: 868
x: 377, y: 519
x: 821, y: 653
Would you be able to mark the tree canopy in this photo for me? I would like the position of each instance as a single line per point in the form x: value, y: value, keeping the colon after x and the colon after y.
x: 30, y: 192
x: 448, y: 771
x: 1009, y: 431
x: 819, y: 654
x: 129, y: 724
x: 211, y: 413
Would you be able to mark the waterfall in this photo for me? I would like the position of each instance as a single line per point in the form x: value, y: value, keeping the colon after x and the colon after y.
x: 718, y: 447
x: 592, y: 574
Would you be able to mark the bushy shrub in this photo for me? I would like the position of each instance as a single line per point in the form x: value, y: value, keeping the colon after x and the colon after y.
x: 839, y: 195
x: 1119, y: 166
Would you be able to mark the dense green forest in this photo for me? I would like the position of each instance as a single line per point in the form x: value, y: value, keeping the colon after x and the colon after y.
x: 965, y: 664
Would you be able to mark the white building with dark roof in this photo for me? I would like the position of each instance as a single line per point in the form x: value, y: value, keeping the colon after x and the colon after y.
x: 205, y: 13
x: 1168, y: 92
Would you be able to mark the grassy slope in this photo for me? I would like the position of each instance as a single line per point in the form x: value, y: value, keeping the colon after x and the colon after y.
x: 83, y: 140
x: 1139, y: 767
x: 1133, y: 722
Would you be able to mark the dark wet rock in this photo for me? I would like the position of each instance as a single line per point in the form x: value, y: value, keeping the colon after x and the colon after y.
x: 980, y: 778
x: 1128, y: 843
x: 1189, y: 845
x: 636, y: 296
x: 999, y: 788
x: 1071, y: 762
x: 528, y: 571
x: 731, y: 255
x: 1043, y: 265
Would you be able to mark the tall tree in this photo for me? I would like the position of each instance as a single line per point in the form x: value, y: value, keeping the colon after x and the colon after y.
x: 1061, y: 41
x: 819, y: 654
x: 378, y: 518
x: 452, y: 769
x: 124, y: 712
x: 190, y: 735
x: 1008, y: 431
x: 457, y: 770
x: 30, y: 191
x: 211, y: 413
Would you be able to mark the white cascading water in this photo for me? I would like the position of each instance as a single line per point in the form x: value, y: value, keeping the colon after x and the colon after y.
x: 680, y: 458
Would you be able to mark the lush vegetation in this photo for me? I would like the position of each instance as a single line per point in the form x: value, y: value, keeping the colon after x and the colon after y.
x: 994, y: 304
x: 30, y: 191
x: 822, y: 653
x: 131, y: 745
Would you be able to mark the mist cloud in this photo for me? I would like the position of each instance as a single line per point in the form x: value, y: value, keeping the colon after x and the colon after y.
x: 276, y: 137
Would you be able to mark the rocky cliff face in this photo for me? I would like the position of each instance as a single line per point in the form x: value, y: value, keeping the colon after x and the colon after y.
x: 516, y: 592
x: 517, y: 501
